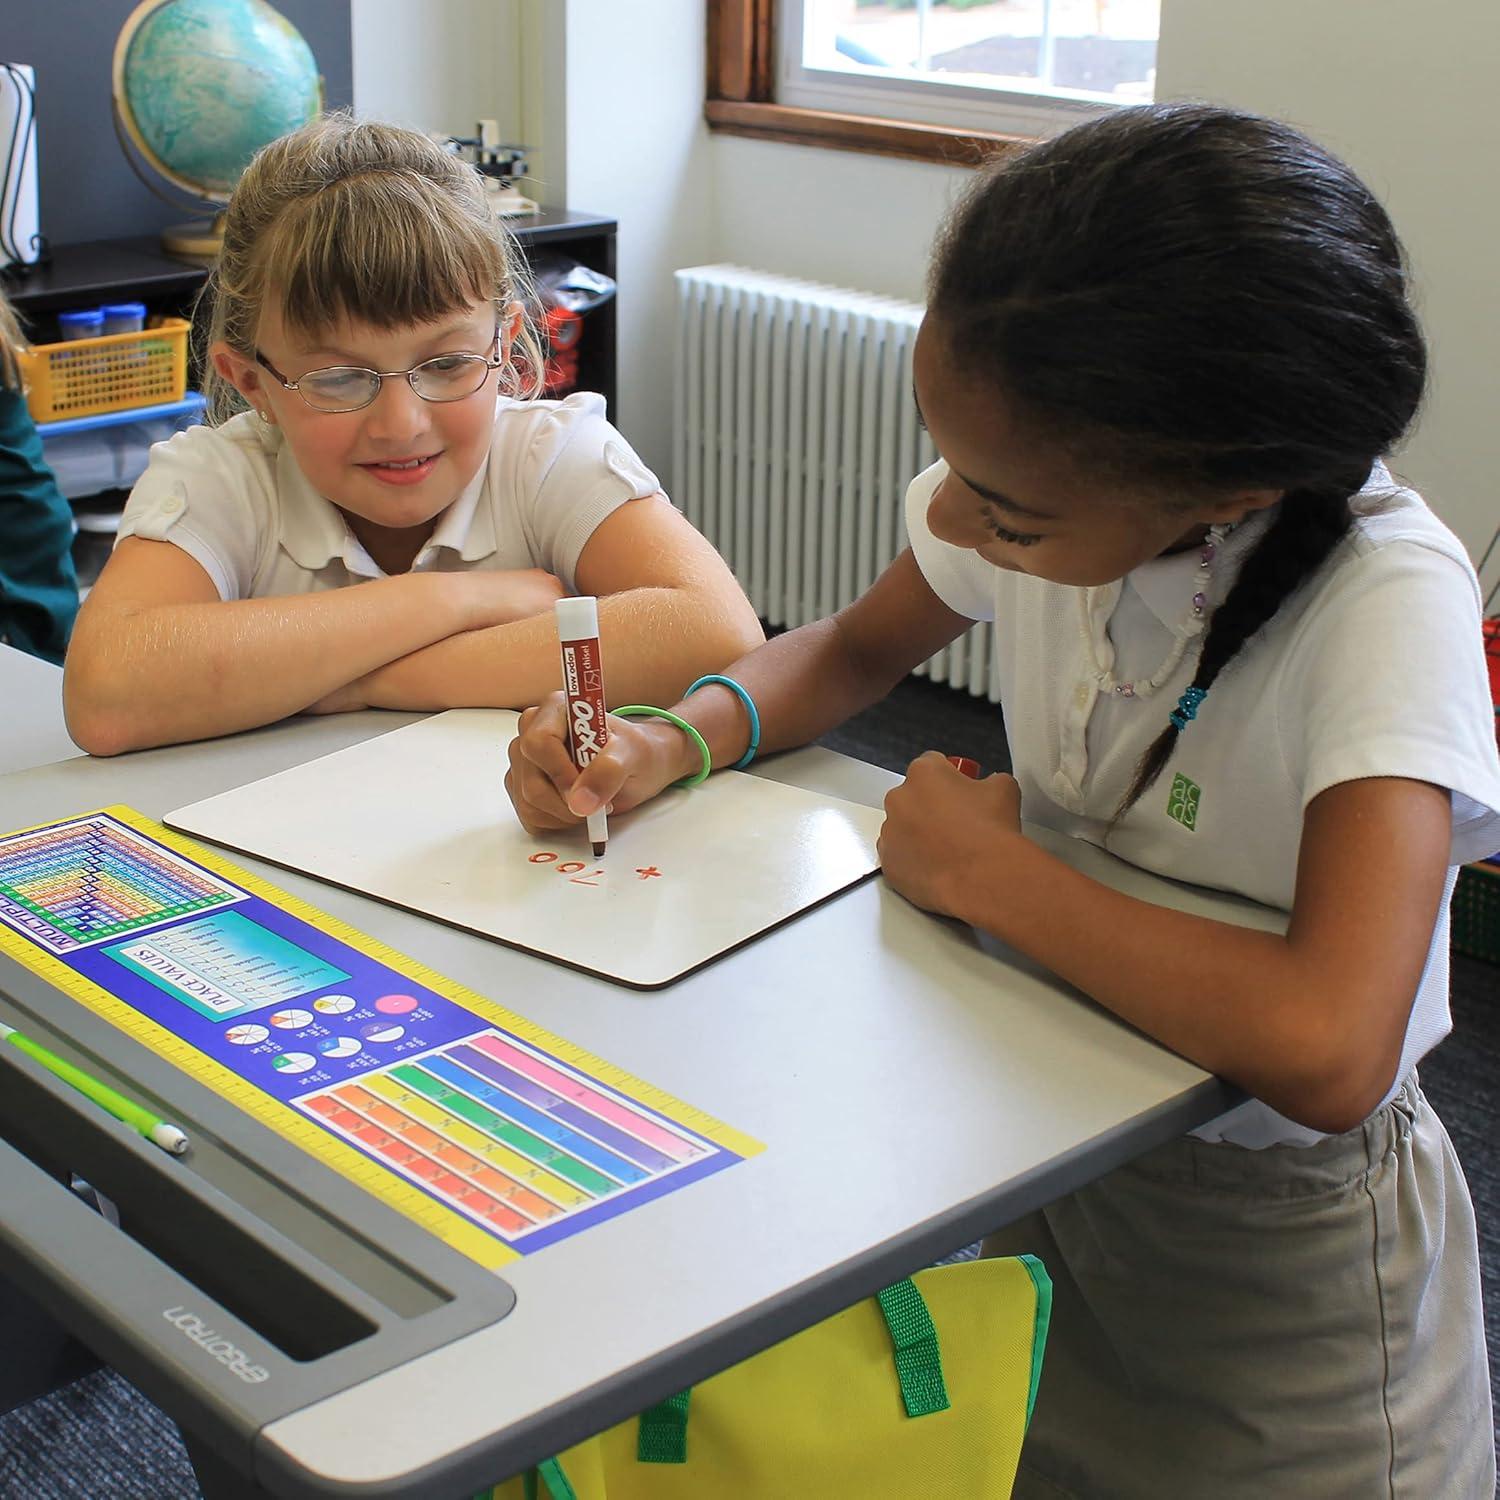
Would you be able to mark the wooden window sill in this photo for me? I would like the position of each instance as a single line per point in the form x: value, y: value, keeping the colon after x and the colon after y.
x: 815, y: 127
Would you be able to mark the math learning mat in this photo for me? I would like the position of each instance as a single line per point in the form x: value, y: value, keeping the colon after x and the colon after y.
x: 489, y: 1132
x: 419, y: 818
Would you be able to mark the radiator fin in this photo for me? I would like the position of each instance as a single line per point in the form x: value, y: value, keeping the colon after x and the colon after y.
x: 794, y: 438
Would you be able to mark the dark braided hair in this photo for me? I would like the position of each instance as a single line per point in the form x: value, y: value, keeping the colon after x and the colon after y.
x: 1198, y: 302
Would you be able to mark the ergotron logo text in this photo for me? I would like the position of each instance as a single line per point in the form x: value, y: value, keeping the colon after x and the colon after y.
x: 233, y: 1358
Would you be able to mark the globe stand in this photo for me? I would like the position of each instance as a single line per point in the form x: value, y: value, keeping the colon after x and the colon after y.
x: 199, y: 239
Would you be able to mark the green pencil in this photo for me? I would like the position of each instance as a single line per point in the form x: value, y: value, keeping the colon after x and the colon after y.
x: 158, y: 1132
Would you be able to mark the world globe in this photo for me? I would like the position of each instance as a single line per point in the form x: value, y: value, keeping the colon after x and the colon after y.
x: 199, y: 87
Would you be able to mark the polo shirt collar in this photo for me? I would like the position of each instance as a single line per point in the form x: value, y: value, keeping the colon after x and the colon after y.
x: 467, y: 527
x: 314, y: 531
x: 1166, y: 585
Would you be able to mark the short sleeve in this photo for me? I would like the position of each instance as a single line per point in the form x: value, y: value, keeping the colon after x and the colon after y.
x: 203, y: 492
x: 959, y: 577
x: 576, y: 470
x: 1387, y: 678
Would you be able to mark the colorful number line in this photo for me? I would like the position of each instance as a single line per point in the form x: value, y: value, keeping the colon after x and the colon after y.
x: 516, y: 1156
x: 564, y: 1087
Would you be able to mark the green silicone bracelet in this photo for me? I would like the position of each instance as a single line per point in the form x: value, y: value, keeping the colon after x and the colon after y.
x: 645, y: 711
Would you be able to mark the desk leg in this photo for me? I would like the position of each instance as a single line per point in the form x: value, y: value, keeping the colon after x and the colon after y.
x: 219, y: 1480
x: 38, y: 1354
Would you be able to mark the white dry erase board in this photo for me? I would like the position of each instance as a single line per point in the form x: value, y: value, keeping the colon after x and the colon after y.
x: 419, y: 818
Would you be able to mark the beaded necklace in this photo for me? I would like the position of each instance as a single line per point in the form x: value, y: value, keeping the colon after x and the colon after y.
x: 1186, y: 633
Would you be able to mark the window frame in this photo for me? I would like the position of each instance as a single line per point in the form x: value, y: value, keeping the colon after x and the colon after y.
x: 931, y: 100
x: 744, y: 62
x: 741, y: 100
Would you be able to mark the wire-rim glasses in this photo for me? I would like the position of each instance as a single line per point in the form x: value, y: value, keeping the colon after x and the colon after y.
x: 341, y: 388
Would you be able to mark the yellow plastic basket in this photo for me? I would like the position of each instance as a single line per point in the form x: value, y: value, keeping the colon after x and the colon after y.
x: 88, y: 377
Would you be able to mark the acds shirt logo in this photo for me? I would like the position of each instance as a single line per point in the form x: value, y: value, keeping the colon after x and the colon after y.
x: 233, y: 1358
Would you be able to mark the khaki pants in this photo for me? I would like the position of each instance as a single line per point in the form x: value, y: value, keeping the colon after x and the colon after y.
x: 1290, y: 1322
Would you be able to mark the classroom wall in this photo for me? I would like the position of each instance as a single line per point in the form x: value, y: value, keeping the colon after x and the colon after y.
x: 441, y: 65
x: 637, y: 150
x: 1405, y: 94
x: 1403, y: 97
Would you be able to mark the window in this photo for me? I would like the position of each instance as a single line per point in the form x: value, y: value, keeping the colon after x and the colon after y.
x: 935, y: 79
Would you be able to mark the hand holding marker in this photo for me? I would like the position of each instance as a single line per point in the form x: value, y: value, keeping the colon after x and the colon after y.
x: 137, y: 1116
x: 583, y: 681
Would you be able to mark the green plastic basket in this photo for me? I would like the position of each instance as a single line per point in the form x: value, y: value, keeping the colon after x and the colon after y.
x: 1476, y: 912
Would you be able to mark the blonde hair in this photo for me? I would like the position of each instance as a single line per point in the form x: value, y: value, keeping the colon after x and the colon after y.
x: 354, y: 218
x: 12, y: 340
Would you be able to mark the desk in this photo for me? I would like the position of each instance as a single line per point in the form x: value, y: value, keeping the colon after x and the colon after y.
x: 31, y: 717
x: 912, y: 1089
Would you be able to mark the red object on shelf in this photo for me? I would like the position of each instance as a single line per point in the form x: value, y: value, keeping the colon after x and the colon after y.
x: 1492, y: 661
x: 561, y: 332
x: 563, y: 329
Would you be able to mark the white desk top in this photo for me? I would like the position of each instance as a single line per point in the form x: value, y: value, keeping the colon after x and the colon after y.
x: 912, y: 1089
x: 31, y: 720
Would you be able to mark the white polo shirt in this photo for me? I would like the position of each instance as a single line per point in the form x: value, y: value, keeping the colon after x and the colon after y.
x: 1374, y: 668
x: 233, y: 499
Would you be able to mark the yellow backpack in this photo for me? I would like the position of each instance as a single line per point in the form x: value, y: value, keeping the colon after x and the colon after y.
x: 925, y: 1389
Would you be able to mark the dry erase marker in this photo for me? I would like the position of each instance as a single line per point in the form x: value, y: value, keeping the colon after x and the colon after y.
x: 963, y: 763
x: 158, y: 1132
x: 583, y: 681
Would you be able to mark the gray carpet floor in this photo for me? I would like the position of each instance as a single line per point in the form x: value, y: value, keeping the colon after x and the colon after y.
x: 99, y: 1439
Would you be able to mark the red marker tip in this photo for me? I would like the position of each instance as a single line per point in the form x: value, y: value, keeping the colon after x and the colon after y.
x: 963, y: 763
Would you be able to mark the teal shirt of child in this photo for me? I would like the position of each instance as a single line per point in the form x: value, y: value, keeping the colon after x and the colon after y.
x: 38, y: 587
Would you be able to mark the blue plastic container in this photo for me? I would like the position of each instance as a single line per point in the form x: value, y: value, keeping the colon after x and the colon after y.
x: 85, y: 323
x: 124, y: 317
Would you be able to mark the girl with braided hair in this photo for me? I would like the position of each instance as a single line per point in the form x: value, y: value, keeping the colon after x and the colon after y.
x: 1163, y: 358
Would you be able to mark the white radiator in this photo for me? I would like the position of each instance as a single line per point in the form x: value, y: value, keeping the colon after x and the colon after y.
x: 794, y: 438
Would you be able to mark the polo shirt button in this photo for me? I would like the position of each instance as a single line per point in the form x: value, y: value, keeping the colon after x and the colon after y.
x: 172, y: 505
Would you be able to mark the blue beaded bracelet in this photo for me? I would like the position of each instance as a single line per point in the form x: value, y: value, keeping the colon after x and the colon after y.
x: 750, y: 709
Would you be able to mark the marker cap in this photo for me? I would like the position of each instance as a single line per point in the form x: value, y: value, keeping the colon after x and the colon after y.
x: 577, y: 618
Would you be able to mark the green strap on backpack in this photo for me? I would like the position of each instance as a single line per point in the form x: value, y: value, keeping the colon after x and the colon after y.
x: 826, y: 1395
x: 662, y: 1438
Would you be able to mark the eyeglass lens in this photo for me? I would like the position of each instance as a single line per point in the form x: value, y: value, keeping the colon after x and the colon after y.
x: 449, y: 377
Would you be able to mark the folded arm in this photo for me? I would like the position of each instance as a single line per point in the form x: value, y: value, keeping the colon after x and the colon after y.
x: 157, y: 657
x: 669, y: 611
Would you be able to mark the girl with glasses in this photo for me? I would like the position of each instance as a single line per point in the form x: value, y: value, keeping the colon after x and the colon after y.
x: 371, y: 382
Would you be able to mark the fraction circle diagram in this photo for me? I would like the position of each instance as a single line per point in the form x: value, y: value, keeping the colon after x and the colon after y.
x: 334, y: 1005
x: 382, y: 1031
x: 292, y: 1020
x: 294, y: 1062
x: 338, y: 1046
x: 396, y: 1005
x: 246, y: 1035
